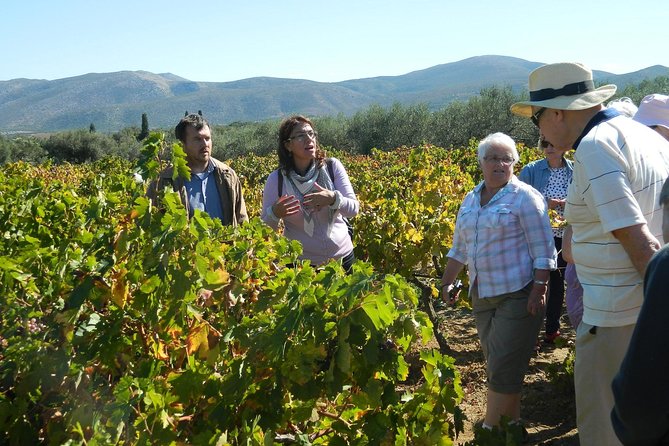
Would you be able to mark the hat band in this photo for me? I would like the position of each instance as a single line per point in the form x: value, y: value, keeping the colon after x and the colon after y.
x: 567, y: 90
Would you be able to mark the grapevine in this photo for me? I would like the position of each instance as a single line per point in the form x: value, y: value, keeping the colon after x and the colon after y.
x: 124, y: 321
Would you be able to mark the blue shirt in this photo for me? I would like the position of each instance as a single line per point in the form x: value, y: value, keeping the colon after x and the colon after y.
x: 203, y: 193
x: 537, y: 173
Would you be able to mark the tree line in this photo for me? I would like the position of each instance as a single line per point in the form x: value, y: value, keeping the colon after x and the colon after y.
x: 378, y: 127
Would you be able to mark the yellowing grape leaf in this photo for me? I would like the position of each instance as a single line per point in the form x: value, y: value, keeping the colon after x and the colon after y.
x: 159, y: 350
x: 414, y: 235
x: 120, y: 288
x: 217, y: 278
x: 197, y: 340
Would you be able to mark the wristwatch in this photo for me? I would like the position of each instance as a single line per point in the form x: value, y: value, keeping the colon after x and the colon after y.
x: 541, y: 282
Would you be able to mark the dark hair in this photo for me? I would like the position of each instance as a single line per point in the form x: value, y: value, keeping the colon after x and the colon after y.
x: 286, y: 162
x: 192, y: 120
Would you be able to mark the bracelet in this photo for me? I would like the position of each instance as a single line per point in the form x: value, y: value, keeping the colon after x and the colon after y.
x: 541, y: 282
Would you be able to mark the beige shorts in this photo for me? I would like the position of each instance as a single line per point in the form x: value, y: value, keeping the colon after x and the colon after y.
x: 508, y: 335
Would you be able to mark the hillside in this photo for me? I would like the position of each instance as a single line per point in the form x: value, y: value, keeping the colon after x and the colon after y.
x: 115, y: 100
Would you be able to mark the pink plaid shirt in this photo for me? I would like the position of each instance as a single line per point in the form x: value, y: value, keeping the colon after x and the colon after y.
x: 505, y: 240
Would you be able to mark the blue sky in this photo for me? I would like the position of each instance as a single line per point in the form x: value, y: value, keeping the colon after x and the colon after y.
x: 324, y: 41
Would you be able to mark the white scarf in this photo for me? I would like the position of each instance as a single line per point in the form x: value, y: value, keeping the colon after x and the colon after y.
x: 301, y: 185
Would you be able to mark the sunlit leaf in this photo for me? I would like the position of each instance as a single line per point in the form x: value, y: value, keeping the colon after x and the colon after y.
x: 197, y: 340
x: 217, y: 278
x: 150, y: 284
x: 120, y: 287
x: 180, y: 165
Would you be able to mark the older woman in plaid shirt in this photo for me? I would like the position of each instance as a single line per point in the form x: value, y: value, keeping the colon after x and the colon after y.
x: 503, y: 235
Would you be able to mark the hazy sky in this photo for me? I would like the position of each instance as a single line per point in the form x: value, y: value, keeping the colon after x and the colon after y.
x: 321, y: 40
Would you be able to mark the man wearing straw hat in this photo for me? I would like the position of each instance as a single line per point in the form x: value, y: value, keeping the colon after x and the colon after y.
x: 612, y: 205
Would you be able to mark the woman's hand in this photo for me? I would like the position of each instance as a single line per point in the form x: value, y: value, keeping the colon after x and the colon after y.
x: 321, y: 198
x: 537, y: 299
x: 450, y: 286
x: 450, y: 293
x: 554, y: 203
x: 286, y: 205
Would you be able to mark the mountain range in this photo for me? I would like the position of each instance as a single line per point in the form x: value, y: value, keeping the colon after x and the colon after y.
x: 112, y: 101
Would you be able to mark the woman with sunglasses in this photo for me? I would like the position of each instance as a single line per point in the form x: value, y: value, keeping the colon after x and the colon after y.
x: 311, y: 194
x: 551, y: 176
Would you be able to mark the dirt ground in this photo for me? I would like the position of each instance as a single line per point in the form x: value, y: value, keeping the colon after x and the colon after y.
x: 547, y: 405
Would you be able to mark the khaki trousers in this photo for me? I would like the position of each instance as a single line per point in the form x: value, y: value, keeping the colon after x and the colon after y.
x: 599, y: 353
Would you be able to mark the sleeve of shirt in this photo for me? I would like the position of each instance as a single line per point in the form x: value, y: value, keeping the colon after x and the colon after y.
x: 459, y: 249
x: 532, y: 175
x: 609, y: 190
x: 269, y: 196
x: 349, y: 206
x: 536, y: 225
x: 524, y: 174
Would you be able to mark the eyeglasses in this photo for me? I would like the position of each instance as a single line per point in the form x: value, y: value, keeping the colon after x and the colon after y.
x: 535, y: 117
x: 505, y: 160
x: 303, y: 136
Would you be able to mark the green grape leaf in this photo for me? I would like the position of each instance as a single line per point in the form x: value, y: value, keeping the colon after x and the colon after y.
x: 181, y: 169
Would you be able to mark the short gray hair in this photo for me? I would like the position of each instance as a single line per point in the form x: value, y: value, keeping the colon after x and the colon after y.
x: 625, y: 106
x: 497, y: 139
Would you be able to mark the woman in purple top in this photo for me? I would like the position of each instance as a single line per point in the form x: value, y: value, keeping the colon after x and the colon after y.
x: 311, y: 194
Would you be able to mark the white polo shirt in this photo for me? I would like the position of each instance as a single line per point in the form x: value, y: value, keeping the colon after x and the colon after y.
x: 619, y: 168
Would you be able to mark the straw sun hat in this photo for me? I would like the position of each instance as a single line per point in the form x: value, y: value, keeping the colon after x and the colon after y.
x: 563, y: 86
